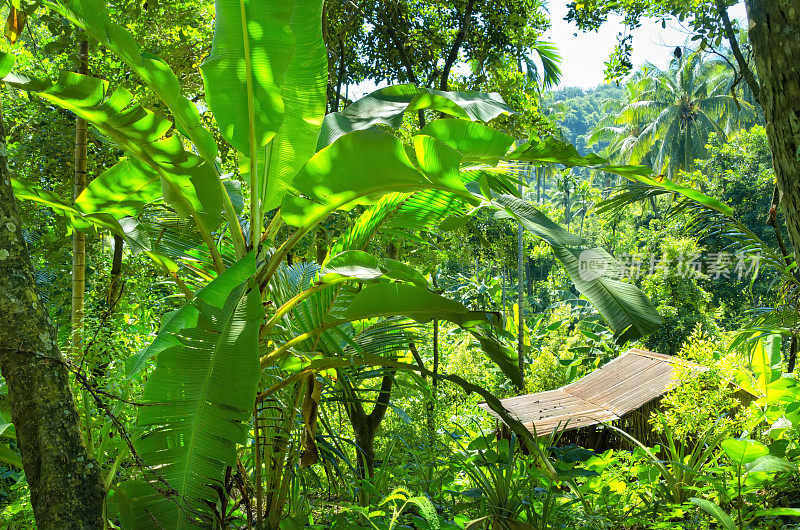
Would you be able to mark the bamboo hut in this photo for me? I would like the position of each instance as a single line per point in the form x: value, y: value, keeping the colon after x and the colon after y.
x: 624, y: 391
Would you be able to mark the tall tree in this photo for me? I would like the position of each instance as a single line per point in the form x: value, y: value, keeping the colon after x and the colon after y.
x: 776, y: 44
x: 63, y: 478
x: 669, y: 122
x: 78, y: 237
x: 772, y: 30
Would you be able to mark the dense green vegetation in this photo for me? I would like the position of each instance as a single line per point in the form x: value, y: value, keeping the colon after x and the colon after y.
x: 233, y: 297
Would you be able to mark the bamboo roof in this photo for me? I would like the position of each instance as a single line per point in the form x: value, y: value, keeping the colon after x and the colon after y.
x: 622, y: 385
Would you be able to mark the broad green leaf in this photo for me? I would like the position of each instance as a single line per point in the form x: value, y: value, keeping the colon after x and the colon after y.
x: 214, y: 295
x: 623, y: 305
x: 663, y: 182
x: 134, y: 233
x: 439, y: 162
x: 766, y: 362
x: 127, y: 228
x: 304, y: 97
x: 92, y: 16
x: 364, y: 267
x: 197, y: 184
x: 7, y: 430
x: 196, y: 412
x: 743, y: 451
x: 352, y: 264
x: 478, y: 106
x: 244, y: 75
x: 398, y: 270
x: 6, y: 64
x: 123, y: 190
x: 387, y: 106
x: 550, y: 150
x: 234, y: 190
x: 9, y: 457
x: 358, y: 169
x: 142, y: 134
x: 426, y: 509
x: 714, y: 511
x: 426, y: 209
x: 476, y: 142
x: 392, y: 299
x: 771, y: 464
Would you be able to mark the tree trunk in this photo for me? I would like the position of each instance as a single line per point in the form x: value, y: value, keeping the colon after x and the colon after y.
x: 775, y: 36
x: 321, y: 242
x: 115, y: 286
x: 463, y: 31
x: 79, y: 238
x: 365, y: 426
x: 520, y: 302
x: 64, y: 480
x: 539, y: 178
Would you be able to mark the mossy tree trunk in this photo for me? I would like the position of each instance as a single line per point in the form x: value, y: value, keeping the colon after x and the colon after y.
x: 774, y: 30
x: 64, y: 480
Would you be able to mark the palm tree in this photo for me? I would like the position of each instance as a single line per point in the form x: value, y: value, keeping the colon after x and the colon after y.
x: 669, y: 115
x: 622, y: 129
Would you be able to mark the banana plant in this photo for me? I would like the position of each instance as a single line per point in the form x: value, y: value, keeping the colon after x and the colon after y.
x: 265, y: 84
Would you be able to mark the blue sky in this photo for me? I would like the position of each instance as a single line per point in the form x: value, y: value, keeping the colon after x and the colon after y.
x: 583, y: 54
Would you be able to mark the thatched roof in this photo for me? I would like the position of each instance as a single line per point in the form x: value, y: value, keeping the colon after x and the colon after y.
x: 622, y: 385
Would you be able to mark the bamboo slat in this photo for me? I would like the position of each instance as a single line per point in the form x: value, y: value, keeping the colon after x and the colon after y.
x: 624, y: 384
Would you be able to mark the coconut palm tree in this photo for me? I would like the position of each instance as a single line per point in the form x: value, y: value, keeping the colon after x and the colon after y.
x: 669, y: 115
x: 622, y: 129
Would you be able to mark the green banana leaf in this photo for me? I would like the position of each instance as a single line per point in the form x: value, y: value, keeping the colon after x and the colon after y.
x: 126, y: 227
x: 92, y: 16
x: 243, y: 77
x: 214, y: 294
x: 623, y: 305
x: 198, y: 400
x: 304, y: 94
x: 388, y: 105
x: 476, y: 142
x: 184, y: 177
x: 420, y: 304
x: 346, y: 173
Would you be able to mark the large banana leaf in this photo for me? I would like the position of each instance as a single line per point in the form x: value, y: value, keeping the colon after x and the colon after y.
x: 476, y: 142
x: 243, y: 77
x: 183, y: 177
x: 92, y: 16
x: 420, y: 304
x: 387, y: 106
x: 358, y: 169
x: 304, y: 97
x: 198, y: 400
x: 392, y: 299
x: 624, y: 306
x: 479, y: 143
x: 126, y: 227
x: 215, y: 294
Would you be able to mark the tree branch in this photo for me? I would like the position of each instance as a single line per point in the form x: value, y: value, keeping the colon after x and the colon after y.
x: 749, y: 77
x: 382, y: 403
x: 460, y: 36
